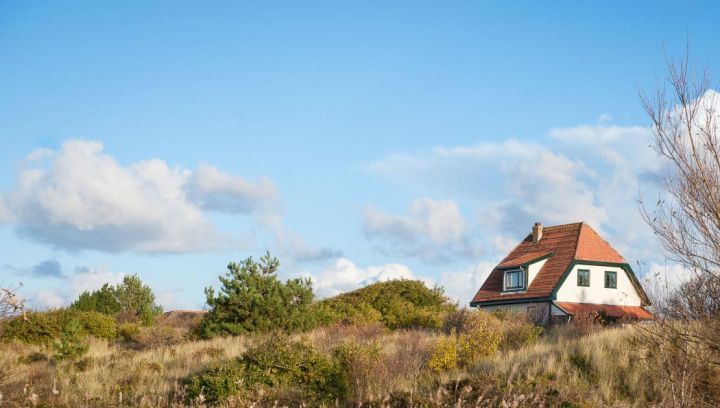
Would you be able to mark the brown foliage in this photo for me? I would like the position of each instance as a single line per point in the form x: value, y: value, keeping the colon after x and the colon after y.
x: 684, y: 342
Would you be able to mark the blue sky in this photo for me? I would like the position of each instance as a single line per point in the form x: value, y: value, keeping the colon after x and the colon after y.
x: 357, y: 141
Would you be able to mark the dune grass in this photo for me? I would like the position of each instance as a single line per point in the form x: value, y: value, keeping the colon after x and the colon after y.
x: 595, y: 370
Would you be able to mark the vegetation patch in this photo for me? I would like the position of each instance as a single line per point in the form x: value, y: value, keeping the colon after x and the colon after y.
x: 130, y: 300
x: 253, y: 299
x: 398, y: 304
x: 46, y: 327
x: 273, y: 363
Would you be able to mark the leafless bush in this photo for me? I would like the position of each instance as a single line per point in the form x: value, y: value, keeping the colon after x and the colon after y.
x: 10, y: 304
x: 684, y: 342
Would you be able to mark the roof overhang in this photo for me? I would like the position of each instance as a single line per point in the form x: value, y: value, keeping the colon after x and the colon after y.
x: 617, y: 311
x: 509, y: 301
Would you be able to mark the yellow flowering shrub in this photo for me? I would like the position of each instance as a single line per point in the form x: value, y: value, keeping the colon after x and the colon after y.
x: 480, y: 337
x: 445, y: 353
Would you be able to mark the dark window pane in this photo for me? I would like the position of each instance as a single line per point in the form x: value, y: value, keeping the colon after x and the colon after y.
x: 611, y: 279
x: 583, y: 277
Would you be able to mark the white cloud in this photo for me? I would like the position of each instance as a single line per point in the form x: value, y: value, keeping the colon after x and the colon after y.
x: 433, y: 229
x: 45, y: 299
x: 583, y: 173
x: 666, y: 277
x: 83, y: 279
x: 78, y: 197
x: 89, y: 279
x: 171, y: 300
x: 550, y: 188
x: 462, y: 285
x: 599, y: 134
x: 345, y: 276
x: 214, y: 190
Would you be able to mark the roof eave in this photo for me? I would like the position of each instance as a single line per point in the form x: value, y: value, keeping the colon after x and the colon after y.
x: 533, y: 299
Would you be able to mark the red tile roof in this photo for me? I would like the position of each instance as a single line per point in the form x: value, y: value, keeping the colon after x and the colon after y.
x: 523, y: 259
x: 628, y: 312
x: 591, y: 247
x: 567, y: 243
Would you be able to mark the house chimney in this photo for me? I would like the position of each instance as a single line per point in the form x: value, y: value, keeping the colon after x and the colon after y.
x: 537, y: 232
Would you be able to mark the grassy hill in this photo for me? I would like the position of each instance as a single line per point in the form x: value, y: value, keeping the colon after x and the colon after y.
x: 383, y: 368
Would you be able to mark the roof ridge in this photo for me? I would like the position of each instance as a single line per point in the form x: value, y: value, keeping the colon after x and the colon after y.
x: 563, y: 225
x: 577, y: 240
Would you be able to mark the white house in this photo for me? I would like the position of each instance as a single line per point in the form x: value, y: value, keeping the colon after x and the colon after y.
x: 561, y: 271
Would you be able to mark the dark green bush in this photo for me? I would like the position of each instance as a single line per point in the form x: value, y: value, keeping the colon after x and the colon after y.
x: 46, y: 327
x: 396, y: 303
x: 253, y: 299
x: 273, y: 364
x: 129, y: 301
x: 72, y: 344
x: 103, y: 300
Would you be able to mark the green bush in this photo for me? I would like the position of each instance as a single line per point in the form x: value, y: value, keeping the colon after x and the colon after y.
x: 130, y: 300
x: 217, y: 382
x: 46, y: 327
x: 103, y: 300
x: 338, y: 310
x: 72, y: 343
x: 396, y: 303
x: 96, y: 324
x: 253, y: 299
x: 272, y: 364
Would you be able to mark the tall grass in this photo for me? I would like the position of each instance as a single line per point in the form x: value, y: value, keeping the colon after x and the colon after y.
x: 109, y: 374
x: 386, y: 368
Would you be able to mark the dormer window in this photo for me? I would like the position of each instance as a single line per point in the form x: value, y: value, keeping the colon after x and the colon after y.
x: 515, y: 280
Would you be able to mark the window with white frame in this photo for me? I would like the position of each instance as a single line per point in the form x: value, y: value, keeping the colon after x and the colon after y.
x: 515, y: 279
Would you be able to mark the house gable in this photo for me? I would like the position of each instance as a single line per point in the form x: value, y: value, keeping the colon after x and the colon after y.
x: 624, y: 292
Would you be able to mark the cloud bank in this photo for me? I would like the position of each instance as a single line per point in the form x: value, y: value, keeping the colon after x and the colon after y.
x: 433, y: 230
x: 78, y: 197
x: 585, y: 173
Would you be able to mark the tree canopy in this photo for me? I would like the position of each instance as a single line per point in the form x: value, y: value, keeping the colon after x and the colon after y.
x: 252, y: 299
x: 129, y: 300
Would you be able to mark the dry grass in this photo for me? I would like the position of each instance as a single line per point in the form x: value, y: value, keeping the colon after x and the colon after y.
x: 110, y: 374
x: 596, y: 370
x: 601, y: 369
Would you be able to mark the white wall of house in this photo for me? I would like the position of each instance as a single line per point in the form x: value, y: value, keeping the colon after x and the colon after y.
x: 625, y: 293
x: 541, y: 309
x: 533, y: 270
